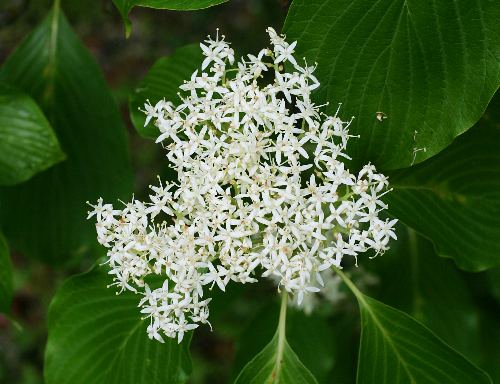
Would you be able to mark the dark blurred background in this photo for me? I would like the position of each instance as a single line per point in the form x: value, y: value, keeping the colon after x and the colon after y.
x: 155, y: 33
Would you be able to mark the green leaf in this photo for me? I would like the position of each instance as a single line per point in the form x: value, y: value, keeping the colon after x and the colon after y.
x: 162, y: 82
x: 263, y: 367
x: 277, y: 362
x: 395, y: 348
x: 430, y: 66
x: 28, y: 144
x: 45, y: 217
x: 255, y: 337
x: 6, y: 281
x: 311, y: 336
x: 98, y: 337
x: 454, y: 198
x: 431, y: 289
x: 125, y: 6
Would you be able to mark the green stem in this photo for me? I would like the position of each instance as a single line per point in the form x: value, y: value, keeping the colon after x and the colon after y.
x: 281, y: 334
x: 350, y: 284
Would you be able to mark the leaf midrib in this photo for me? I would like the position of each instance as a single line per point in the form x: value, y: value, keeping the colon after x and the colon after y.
x: 281, y: 340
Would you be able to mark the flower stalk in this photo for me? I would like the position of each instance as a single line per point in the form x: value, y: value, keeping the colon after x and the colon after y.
x: 281, y: 334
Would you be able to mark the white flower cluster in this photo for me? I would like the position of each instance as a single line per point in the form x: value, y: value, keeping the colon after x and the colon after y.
x: 262, y: 190
x: 330, y: 294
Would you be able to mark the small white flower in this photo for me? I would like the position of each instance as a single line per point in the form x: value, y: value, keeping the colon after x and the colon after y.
x: 285, y: 53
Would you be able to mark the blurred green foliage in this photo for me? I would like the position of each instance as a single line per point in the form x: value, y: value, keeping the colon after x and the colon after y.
x: 462, y: 308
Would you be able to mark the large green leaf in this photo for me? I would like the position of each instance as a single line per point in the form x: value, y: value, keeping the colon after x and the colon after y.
x: 27, y: 142
x: 430, y: 65
x: 162, y: 82
x: 264, y: 367
x: 125, y: 6
x: 395, y: 348
x: 277, y: 362
x: 454, y: 197
x: 5, y: 276
x: 309, y: 336
x: 45, y: 217
x: 431, y: 289
x: 98, y: 337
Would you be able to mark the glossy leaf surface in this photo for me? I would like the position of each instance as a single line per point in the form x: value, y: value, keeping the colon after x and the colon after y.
x: 27, y: 142
x: 395, y: 348
x: 96, y: 336
x: 429, y: 66
x: 454, y: 198
x: 264, y: 367
x: 45, y: 217
x: 277, y: 362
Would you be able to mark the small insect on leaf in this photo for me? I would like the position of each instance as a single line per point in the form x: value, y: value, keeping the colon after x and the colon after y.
x: 380, y: 116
